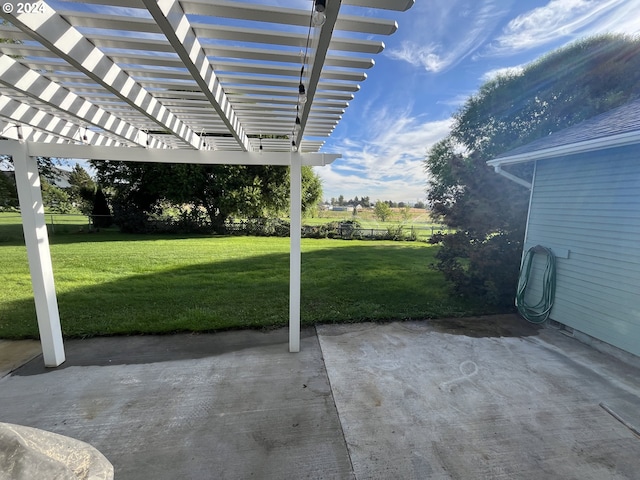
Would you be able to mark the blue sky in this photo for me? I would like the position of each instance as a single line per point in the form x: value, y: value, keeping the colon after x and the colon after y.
x: 442, y: 52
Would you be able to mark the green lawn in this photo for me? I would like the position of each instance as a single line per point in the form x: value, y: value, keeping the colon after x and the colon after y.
x: 110, y: 283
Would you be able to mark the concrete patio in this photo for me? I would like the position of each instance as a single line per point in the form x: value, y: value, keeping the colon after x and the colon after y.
x: 482, y: 398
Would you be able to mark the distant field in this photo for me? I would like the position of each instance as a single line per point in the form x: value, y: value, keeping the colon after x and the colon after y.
x: 418, y: 219
x: 11, y: 226
x: 112, y: 283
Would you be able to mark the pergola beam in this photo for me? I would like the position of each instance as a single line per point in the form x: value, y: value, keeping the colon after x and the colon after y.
x: 169, y: 156
x: 173, y: 22
x: 324, y: 40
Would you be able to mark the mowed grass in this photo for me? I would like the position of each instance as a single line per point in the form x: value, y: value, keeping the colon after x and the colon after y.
x: 110, y: 283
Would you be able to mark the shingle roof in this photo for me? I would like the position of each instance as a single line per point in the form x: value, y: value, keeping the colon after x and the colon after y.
x: 619, y: 121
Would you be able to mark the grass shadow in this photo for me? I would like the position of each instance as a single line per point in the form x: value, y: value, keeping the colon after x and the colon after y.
x: 363, y: 282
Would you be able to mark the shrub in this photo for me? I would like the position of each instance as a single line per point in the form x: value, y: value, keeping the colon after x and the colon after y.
x: 394, y: 233
x: 260, y: 227
x: 480, y: 269
x: 101, y: 214
x: 347, y: 230
x: 130, y: 220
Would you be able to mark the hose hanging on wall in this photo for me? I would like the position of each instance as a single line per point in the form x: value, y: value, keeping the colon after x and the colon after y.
x: 539, y: 312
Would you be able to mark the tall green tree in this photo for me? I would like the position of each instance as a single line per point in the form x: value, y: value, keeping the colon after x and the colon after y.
x: 489, y: 212
x: 83, y: 189
x: 101, y: 213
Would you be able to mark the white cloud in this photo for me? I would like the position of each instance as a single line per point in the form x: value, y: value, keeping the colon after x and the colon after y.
x: 426, y: 56
x: 567, y: 19
x: 445, y: 32
x: 386, y: 164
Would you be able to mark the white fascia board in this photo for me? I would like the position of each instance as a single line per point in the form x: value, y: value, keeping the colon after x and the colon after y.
x: 187, y: 156
x: 613, y: 141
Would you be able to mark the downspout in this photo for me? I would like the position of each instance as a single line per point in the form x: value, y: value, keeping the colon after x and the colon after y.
x: 498, y: 169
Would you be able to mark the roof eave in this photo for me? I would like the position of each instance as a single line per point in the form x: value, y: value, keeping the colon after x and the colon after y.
x: 613, y: 141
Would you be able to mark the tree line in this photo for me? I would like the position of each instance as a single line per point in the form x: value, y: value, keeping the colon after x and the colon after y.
x: 366, y: 202
x: 137, y: 195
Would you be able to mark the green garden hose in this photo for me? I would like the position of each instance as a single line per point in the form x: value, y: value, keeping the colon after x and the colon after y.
x: 539, y: 312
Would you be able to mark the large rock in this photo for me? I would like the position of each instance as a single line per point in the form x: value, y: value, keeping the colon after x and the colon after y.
x: 31, y: 454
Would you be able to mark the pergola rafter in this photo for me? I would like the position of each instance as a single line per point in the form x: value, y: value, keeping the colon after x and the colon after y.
x: 61, y: 38
x: 22, y: 115
x: 35, y: 85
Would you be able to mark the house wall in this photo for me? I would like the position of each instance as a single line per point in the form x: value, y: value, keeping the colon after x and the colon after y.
x: 586, y: 208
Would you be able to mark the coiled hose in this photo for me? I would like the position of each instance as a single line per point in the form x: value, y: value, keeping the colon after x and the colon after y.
x: 539, y: 312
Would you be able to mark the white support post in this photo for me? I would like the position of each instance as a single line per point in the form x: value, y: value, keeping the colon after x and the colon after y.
x: 295, y: 252
x: 37, y: 241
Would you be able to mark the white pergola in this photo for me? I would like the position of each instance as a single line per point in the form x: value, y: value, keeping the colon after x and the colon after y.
x: 136, y: 80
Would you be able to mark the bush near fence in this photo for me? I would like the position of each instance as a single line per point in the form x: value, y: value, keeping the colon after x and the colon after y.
x: 261, y: 227
x: 347, y: 230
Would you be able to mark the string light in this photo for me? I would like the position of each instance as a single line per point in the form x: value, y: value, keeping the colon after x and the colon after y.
x: 203, y: 139
x: 302, y: 94
x: 318, y: 18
